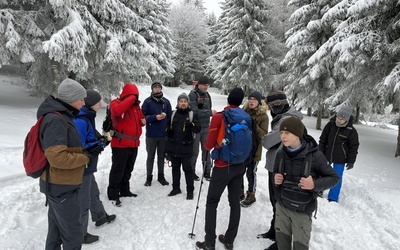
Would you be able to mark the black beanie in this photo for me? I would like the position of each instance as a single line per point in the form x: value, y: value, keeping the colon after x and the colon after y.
x: 203, y: 80
x: 293, y: 125
x: 92, y: 98
x: 154, y: 84
x: 236, y: 96
x: 256, y: 95
x: 277, y: 98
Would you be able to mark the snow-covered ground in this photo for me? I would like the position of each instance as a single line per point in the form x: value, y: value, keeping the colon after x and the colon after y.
x: 367, y: 216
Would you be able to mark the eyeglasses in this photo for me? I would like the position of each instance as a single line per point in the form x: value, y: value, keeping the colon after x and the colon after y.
x: 252, y: 99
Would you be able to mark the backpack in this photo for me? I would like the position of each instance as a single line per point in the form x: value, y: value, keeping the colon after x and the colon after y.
x: 292, y: 196
x: 35, y: 162
x: 237, y: 144
x: 107, y: 123
x: 190, y: 119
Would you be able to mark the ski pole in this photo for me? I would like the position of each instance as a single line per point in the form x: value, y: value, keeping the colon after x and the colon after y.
x: 191, y: 235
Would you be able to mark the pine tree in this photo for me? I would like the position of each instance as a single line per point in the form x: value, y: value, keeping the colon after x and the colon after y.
x: 99, y: 43
x: 243, y: 51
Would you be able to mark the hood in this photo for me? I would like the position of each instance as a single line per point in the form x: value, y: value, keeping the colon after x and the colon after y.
x: 257, y: 111
x: 129, y: 89
x: 51, y: 104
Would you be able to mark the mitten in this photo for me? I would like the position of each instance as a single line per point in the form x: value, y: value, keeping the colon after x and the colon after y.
x: 349, y: 166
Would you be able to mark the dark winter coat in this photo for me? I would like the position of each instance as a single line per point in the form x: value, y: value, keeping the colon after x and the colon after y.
x: 180, y: 133
x: 61, y: 143
x: 323, y: 175
x: 200, y: 103
x: 150, y: 109
x: 259, y: 115
x: 339, y: 144
x: 126, y: 115
x: 85, y: 123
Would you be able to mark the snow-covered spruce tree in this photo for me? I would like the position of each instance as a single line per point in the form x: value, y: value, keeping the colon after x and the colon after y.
x: 244, y: 47
x: 190, y: 30
x: 310, y: 82
x: 96, y: 42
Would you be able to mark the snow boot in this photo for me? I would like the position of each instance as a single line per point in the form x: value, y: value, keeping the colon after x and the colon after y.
x: 268, y: 235
x: 89, y: 238
x: 174, y: 192
x: 242, y: 194
x: 162, y: 180
x: 272, y: 247
x: 228, y: 246
x: 116, y: 202
x: 189, y: 195
x: 129, y: 194
x: 202, y: 245
x: 195, y: 177
x: 148, y: 181
x: 207, y: 176
x: 105, y: 219
x: 250, y: 199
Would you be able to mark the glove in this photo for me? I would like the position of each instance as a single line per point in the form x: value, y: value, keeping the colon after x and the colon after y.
x: 200, y: 106
x: 349, y: 166
x: 189, y: 124
x: 91, y: 158
x: 95, y: 150
x: 104, y: 141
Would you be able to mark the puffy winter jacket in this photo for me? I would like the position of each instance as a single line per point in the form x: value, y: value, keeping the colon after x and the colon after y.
x: 150, y: 109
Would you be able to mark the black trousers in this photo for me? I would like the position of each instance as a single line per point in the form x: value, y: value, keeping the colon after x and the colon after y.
x: 176, y: 163
x: 271, y: 189
x: 231, y: 177
x: 251, y: 174
x: 123, y: 160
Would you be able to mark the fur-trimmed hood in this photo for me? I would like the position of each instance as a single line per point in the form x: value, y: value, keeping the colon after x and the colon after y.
x: 257, y: 111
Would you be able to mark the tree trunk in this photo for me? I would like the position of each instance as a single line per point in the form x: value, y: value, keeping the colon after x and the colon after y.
x: 309, y: 112
x: 56, y: 76
x: 319, y: 115
x: 357, y: 118
x: 398, y: 139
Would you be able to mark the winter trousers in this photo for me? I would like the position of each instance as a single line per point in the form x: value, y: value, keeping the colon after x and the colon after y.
x: 292, y: 225
x: 123, y: 161
x: 251, y: 174
x: 335, y: 191
x: 97, y: 210
x: 271, y: 189
x: 153, y: 144
x: 205, y: 156
x: 231, y: 177
x: 176, y: 163
x: 64, y: 216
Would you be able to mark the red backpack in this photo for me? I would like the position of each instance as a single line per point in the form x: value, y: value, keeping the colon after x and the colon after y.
x: 35, y: 162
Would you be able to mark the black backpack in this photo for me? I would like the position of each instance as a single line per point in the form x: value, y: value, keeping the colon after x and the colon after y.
x: 107, y: 123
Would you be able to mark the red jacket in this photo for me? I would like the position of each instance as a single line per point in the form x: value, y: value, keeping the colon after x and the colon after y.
x: 126, y: 115
x: 216, y: 133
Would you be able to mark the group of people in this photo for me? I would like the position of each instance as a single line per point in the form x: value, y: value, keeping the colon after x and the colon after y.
x: 298, y: 168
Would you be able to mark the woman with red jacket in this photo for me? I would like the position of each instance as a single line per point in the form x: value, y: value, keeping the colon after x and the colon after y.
x: 128, y: 120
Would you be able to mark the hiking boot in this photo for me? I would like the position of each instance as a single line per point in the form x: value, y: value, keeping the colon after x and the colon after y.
x: 250, y: 199
x: 242, y: 194
x: 202, y: 245
x: 189, y: 196
x: 207, y: 176
x: 272, y: 247
x: 89, y: 238
x: 148, y: 181
x: 162, y: 180
x: 129, y: 194
x: 116, y: 202
x: 330, y: 200
x: 105, y: 219
x: 268, y: 235
x: 320, y: 194
x: 174, y: 192
x: 228, y: 246
x: 195, y: 177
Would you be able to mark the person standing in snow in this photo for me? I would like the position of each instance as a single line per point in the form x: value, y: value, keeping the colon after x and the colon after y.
x: 128, y: 120
x: 255, y: 108
x: 339, y: 143
x: 300, y: 172
x: 200, y: 103
x: 91, y: 138
x: 280, y: 110
x: 62, y: 181
x: 157, y: 110
x: 181, y: 129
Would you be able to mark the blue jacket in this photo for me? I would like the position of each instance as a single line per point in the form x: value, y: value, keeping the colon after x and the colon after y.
x: 85, y: 124
x: 151, y: 108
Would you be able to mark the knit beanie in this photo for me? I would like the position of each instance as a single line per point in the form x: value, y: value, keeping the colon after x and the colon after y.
x: 70, y: 91
x: 256, y: 95
x: 277, y: 98
x: 183, y: 95
x: 293, y: 125
x: 203, y: 80
x: 92, y: 98
x: 345, y: 112
x: 155, y: 84
x: 236, y: 96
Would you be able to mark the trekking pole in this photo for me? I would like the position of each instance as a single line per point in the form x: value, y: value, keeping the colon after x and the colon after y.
x: 191, y: 235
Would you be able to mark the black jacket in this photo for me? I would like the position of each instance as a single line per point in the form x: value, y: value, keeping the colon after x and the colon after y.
x: 292, y: 166
x: 339, y: 144
x: 180, y: 133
